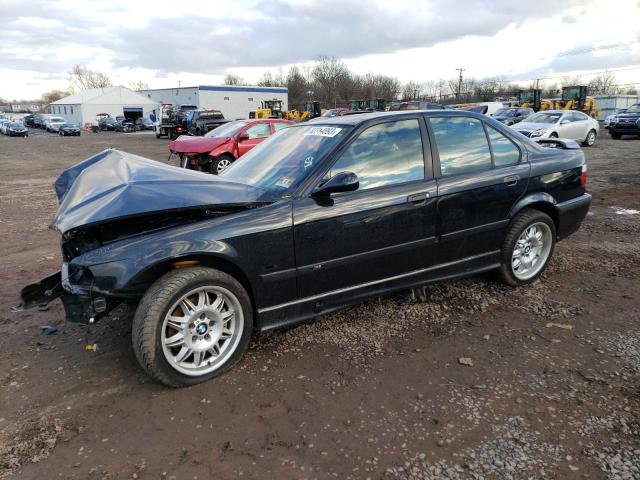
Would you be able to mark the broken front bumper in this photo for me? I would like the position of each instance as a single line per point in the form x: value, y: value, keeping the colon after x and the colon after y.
x: 81, y: 304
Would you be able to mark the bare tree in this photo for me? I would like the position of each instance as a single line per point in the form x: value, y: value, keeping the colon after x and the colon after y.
x: 297, y: 85
x: 53, y: 95
x: 411, y: 91
x: 604, y: 84
x: 270, y: 80
x: 139, y: 85
x: 231, y: 79
x: 327, y: 75
x: 81, y: 78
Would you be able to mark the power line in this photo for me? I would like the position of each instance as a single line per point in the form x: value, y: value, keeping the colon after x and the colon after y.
x: 636, y: 67
x: 611, y: 46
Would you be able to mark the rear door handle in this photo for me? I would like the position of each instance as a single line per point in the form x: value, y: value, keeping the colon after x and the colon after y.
x: 511, y: 180
x: 418, y: 197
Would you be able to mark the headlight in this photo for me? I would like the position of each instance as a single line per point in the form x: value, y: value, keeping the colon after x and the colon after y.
x: 538, y: 133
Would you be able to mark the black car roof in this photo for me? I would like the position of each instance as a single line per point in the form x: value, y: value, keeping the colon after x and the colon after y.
x: 361, y: 118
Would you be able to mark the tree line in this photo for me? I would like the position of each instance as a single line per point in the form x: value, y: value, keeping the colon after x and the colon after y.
x: 331, y: 82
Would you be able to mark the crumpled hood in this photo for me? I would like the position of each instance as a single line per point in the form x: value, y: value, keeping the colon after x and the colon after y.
x: 188, y: 144
x: 115, y: 184
x: 524, y: 125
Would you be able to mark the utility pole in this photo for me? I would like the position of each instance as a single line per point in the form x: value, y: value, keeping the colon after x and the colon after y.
x: 459, y: 82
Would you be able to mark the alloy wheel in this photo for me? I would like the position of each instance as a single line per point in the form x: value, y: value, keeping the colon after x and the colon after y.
x: 222, y: 165
x: 202, y: 330
x: 531, y: 251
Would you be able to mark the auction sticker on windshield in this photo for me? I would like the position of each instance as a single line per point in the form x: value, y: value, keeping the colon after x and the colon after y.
x: 285, y: 182
x: 324, y: 131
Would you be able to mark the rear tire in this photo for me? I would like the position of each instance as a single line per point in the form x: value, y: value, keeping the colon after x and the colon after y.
x: 179, y: 352
x: 527, y: 248
x: 221, y: 163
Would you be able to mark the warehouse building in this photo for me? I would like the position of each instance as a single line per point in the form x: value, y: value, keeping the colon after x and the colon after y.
x: 83, y: 107
x: 233, y: 101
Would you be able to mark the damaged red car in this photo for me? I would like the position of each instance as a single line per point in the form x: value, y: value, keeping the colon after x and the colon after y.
x: 214, y: 152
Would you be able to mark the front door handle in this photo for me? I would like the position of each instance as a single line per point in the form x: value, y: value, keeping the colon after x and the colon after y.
x: 417, y: 198
x: 511, y: 180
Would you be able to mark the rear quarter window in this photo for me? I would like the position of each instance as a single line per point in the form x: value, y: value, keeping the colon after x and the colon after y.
x: 505, y: 152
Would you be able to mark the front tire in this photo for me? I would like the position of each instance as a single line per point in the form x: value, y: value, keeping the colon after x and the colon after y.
x: 591, y: 139
x: 192, y: 325
x: 220, y: 164
x: 527, y: 247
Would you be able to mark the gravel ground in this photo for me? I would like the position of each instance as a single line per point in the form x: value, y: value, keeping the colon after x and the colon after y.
x: 477, y: 381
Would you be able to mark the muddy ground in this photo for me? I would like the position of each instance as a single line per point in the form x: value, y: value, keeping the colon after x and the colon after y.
x: 375, y: 391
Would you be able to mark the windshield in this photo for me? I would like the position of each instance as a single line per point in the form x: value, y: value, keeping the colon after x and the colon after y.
x: 633, y: 108
x: 228, y: 130
x: 69, y: 125
x: 56, y: 119
x: 282, y: 162
x: 542, y: 117
x: 15, y: 125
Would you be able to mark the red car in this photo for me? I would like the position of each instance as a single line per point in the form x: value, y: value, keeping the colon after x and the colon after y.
x: 215, y: 151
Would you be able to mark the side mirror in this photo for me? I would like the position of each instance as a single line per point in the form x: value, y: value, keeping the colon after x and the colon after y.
x: 340, y: 182
x: 564, y: 122
x: 242, y: 137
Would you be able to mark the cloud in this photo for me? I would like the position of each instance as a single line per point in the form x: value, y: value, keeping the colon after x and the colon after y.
x: 267, y: 33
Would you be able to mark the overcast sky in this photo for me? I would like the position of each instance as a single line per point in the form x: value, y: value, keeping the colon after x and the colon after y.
x: 163, y: 42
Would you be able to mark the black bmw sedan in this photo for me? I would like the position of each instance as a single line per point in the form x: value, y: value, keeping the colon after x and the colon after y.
x: 321, y: 215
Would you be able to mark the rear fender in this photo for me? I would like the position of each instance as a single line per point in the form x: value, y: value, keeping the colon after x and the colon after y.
x: 534, y: 198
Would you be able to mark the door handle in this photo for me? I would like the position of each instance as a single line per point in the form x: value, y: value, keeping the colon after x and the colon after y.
x: 511, y: 180
x: 418, y: 197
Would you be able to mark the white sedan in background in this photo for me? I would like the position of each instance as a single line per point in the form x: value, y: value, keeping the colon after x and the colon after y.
x: 569, y: 124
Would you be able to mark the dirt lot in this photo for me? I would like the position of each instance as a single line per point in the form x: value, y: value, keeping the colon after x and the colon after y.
x: 375, y: 391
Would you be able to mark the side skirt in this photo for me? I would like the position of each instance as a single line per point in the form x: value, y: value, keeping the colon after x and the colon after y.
x: 296, y: 311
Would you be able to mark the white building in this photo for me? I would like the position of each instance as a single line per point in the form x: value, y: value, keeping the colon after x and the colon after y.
x: 233, y: 101
x: 610, y: 104
x: 82, y: 107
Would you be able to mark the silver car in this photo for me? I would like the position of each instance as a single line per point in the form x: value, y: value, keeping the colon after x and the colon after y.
x: 569, y: 124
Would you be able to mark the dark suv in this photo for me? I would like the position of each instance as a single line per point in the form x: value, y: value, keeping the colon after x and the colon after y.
x: 511, y: 116
x: 627, y: 123
x: 324, y: 214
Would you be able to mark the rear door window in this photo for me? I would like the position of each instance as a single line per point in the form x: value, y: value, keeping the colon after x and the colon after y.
x: 462, y: 145
x: 260, y: 130
x: 277, y: 126
x: 385, y: 154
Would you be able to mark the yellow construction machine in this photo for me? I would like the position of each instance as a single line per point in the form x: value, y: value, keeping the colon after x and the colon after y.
x: 532, y: 99
x: 576, y: 97
x: 270, y: 109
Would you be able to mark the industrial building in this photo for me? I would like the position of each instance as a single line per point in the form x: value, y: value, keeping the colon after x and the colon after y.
x: 82, y: 107
x: 233, y: 101
x: 611, y: 104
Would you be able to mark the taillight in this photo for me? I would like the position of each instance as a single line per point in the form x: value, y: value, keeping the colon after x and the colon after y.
x: 583, y: 177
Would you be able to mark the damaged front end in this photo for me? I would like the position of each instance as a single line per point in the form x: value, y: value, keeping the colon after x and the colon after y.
x: 115, y: 200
